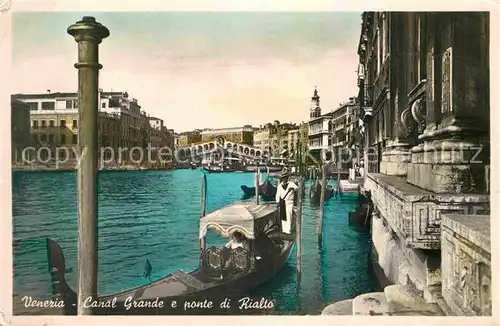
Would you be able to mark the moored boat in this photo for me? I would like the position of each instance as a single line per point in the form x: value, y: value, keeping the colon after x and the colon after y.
x: 221, y: 274
x: 315, y: 192
x: 267, y: 190
x: 218, y: 169
x: 263, y: 168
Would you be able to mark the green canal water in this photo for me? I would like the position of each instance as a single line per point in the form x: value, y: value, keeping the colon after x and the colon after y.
x: 155, y: 214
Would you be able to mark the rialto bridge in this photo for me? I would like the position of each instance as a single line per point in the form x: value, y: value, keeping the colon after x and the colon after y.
x: 219, y: 146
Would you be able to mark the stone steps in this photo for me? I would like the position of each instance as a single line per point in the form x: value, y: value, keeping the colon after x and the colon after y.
x: 370, y: 304
x: 339, y: 308
x: 396, y: 300
x: 407, y: 301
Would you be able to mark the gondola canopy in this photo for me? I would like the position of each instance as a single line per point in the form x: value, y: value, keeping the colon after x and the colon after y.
x: 244, y: 217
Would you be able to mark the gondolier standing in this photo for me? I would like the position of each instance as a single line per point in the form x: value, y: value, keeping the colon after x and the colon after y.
x: 285, y: 198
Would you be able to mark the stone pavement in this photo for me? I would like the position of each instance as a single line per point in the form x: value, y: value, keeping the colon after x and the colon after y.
x: 396, y: 300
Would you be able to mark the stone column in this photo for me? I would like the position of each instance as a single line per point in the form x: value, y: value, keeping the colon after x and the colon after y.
x: 396, y: 156
x: 455, y: 146
x: 88, y: 34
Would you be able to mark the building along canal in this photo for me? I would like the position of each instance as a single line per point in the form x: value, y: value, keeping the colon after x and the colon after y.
x: 155, y: 214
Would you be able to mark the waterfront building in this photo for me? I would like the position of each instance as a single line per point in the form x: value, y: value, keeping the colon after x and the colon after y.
x: 293, y: 136
x: 261, y: 137
x: 129, y: 112
x: 274, y: 138
x: 54, y: 123
x: 241, y: 135
x: 320, y: 130
x: 108, y: 134
x: 20, y: 130
x: 157, y: 131
x: 189, y: 138
x: 176, y: 138
x: 345, y: 122
x: 423, y: 82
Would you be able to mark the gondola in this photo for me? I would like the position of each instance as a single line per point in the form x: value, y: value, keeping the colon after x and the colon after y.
x: 267, y: 190
x: 315, y: 192
x: 254, y: 168
x: 214, y: 280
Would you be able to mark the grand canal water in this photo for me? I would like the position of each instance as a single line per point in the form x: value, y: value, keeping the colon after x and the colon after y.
x: 155, y: 214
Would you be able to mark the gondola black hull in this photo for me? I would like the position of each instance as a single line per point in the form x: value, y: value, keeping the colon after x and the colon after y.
x: 267, y: 190
x: 195, y: 297
x: 315, y: 192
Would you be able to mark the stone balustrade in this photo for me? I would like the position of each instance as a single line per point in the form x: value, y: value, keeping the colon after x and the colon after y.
x: 415, y: 214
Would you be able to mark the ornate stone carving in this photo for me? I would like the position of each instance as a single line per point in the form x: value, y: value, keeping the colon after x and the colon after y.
x: 484, y: 275
x: 446, y: 92
x: 418, y: 112
x: 430, y: 75
x: 415, y: 215
x: 407, y: 121
x: 466, y: 271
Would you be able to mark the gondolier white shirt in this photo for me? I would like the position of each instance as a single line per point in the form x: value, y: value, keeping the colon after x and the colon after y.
x: 285, y: 194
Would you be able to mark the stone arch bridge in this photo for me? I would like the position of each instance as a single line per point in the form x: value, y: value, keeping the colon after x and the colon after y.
x: 214, y: 146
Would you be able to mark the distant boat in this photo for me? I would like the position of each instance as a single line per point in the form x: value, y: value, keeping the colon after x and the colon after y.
x: 193, y: 166
x: 267, y: 190
x: 218, y: 169
x: 315, y: 192
x: 254, y: 168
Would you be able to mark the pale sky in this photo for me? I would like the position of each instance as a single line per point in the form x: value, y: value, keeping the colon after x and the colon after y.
x: 200, y: 69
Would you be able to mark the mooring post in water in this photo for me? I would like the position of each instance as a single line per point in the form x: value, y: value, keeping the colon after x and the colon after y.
x: 257, y: 184
x: 339, y: 165
x: 203, y: 211
x: 322, y: 204
x: 298, y: 227
x: 88, y: 34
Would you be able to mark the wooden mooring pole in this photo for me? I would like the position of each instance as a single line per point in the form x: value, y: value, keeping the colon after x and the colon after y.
x: 257, y: 184
x: 322, y: 204
x: 298, y: 228
x: 203, y: 211
x: 88, y: 34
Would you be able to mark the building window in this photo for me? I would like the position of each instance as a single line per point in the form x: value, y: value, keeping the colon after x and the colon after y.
x: 75, y: 139
x: 69, y: 104
x: 51, y: 138
x: 75, y: 124
x: 103, y: 105
x: 44, y: 123
x: 63, y: 139
x: 63, y: 123
x: 51, y: 123
x: 75, y: 104
x: 43, y: 137
x: 48, y: 105
x: 35, y: 124
x: 33, y: 106
x: 35, y: 138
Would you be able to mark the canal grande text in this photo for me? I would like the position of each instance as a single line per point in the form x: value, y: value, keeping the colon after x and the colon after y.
x: 131, y: 303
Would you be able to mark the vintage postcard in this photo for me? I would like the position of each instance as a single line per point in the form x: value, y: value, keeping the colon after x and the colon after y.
x: 250, y: 163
